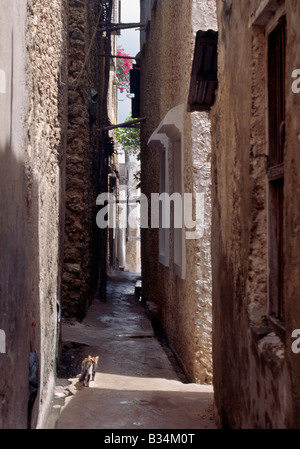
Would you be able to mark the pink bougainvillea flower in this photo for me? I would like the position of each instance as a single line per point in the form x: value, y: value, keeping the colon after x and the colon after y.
x: 123, y: 66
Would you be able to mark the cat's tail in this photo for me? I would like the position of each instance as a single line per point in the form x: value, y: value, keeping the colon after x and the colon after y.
x: 83, y: 373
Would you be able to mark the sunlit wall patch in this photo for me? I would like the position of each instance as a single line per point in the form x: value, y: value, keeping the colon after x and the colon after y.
x: 2, y: 82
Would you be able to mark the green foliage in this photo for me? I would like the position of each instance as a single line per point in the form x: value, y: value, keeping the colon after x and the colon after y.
x: 128, y: 138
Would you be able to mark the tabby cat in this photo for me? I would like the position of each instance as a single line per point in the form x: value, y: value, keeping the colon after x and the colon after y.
x: 88, y: 370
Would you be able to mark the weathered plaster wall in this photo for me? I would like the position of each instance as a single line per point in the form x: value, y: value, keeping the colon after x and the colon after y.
x: 292, y: 209
x: 32, y: 55
x: 15, y: 290
x: 82, y: 165
x: 184, y: 305
x: 256, y: 375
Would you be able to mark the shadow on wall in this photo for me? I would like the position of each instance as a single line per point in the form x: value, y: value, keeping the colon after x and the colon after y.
x: 19, y: 294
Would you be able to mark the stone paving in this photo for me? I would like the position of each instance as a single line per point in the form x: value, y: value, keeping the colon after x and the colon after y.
x: 136, y: 385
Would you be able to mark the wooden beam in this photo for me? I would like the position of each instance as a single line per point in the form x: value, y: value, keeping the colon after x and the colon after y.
x: 120, y: 26
x: 128, y: 124
x: 120, y: 57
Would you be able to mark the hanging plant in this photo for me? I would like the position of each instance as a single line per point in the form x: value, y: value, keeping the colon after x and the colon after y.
x: 123, y: 71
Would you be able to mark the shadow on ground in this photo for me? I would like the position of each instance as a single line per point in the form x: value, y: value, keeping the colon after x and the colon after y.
x: 138, y: 382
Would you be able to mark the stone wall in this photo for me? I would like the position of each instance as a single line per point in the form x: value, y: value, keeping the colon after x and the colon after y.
x: 45, y: 163
x: 256, y: 374
x: 82, y: 164
x: 166, y: 61
x: 32, y: 148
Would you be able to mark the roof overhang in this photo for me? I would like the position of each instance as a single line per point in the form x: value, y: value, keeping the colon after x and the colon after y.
x: 204, y: 81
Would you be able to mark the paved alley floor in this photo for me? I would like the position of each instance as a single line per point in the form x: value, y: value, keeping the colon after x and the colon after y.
x: 136, y: 385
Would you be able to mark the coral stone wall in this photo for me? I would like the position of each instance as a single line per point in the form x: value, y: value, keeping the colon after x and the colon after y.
x: 256, y: 374
x: 82, y: 165
x: 166, y: 62
x: 45, y: 170
x: 45, y: 164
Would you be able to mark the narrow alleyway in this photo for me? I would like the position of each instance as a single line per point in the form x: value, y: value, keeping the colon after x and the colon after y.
x: 137, y: 384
